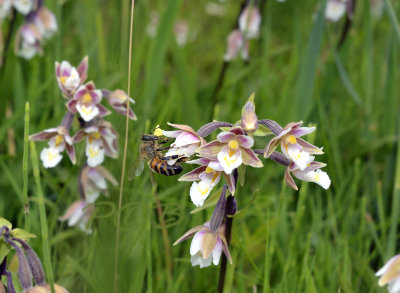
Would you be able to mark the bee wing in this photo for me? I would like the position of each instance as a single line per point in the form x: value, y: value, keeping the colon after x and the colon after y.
x: 135, y: 169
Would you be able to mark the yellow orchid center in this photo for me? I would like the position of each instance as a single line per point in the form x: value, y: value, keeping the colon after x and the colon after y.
x: 94, y: 135
x: 209, y: 170
x: 291, y: 139
x: 59, y: 139
x: 63, y: 79
x: 233, y: 146
x: 51, y: 156
x: 93, y: 153
x: 316, y: 177
x: 158, y: 131
x: 87, y: 98
x: 204, y: 190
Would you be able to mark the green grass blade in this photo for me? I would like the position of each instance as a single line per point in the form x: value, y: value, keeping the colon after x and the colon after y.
x: 25, y: 169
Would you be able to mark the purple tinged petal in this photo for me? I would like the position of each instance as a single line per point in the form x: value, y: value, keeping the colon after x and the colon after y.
x: 102, y: 110
x: 308, y: 147
x: 211, y: 149
x: 90, y: 86
x: 225, y: 136
x: 193, y: 175
x: 293, y: 125
x: 71, y: 153
x: 186, y: 138
x: 172, y: 134
x: 199, y: 161
x: 82, y: 69
x: 289, y: 180
x: 230, y: 181
x: 96, y: 96
x: 44, y: 135
x: 250, y: 158
x: 245, y: 141
x: 237, y: 130
x: 190, y: 233
x: 302, y: 131
x: 315, y: 165
x: 225, y: 248
x: 79, y: 135
x: 71, y: 105
x: 216, y: 165
x: 272, y: 145
x: 82, y: 90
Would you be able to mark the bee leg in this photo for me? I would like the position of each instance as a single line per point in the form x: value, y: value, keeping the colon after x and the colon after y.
x: 163, y: 149
x: 170, y: 158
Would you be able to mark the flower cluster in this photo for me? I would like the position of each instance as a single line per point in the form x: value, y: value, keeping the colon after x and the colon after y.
x: 226, y: 157
x: 40, y: 24
x: 29, y: 265
x: 84, y: 101
x: 249, y: 28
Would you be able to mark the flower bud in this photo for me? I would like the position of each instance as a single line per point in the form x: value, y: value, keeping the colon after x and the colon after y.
x: 249, y: 120
x: 24, y: 271
x: 34, y: 262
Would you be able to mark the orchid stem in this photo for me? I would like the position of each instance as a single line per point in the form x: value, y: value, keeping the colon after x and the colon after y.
x: 228, y: 233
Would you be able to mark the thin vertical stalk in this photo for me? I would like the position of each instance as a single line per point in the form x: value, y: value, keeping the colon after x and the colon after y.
x: 228, y: 233
x: 121, y: 187
x: 167, y: 250
x: 392, y: 17
x: 25, y: 169
x: 42, y: 216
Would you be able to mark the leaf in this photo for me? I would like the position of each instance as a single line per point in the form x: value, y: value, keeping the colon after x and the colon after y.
x: 4, y: 222
x: 242, y: 174
x: 4, y: 249
x: 262, y: 131
x: 22, y: 234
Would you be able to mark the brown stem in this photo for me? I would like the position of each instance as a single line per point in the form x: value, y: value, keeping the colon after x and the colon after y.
x: 160, y: 214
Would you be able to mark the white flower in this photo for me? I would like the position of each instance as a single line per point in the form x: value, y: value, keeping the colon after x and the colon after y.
x: 196, y: 251
x: 50, y: 157
x: 199, y: 191
x: 390, y: 274
x: 317, y: 176
x: 88, y: 112
x: 300, y: 158
x: 5, y: 8
x: 94, y: 153
x: 78, y: 214
x: 23, y: 6
x: 335, y: 9
x: 249, y: 22
x: 46, y: 22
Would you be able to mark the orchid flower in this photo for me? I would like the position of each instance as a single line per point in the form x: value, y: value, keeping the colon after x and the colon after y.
x: 295, y: 148
x: 23, y: 6
x: 28, y: 42
x: 336, y: 9
x: 311, y: 173
x: 59, y: 140
x: 209, y: 174
x: 46, y: 22
x: 390, y: 275
x: 93, y: 181
x: 101, y: 140
x: 187, y: 141
x: 236, y: 44
x: 249, y: 22
x: 5, y: 9
x: 232, y: 148
x: 70, y: 78
x: 118, y: 100
x: 78, y: 214
x: 86, y: 101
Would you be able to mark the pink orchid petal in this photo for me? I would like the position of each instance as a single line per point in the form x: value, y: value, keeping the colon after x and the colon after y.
x: 71, y: 105
x: 250, y: 158
x: 186, y: 138
x: 211, y: 149
x: 289, y: 180
x: 245, y: 141
x: 79, y: 136
x: 71, y: 153
x: 82, y: 69
x: 44, y: 135
x: 302, y: 131
x: 272, y: 145
x: 237, y: 130
x: 72, y: 209
x: 103, y: 111
x: 308, y: 147
x: 193, y: 175
x: 189, y: 233
x: 199, y: 161
x: 172, y: 134
x: 225, y: 136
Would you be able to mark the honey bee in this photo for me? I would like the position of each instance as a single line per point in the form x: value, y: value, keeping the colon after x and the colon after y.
x: 151, y: 152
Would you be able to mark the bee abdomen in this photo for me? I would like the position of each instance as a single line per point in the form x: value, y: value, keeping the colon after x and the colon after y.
x: 162, y: 167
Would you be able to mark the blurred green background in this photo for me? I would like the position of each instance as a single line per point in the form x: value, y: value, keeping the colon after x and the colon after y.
x: 285, y: 241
